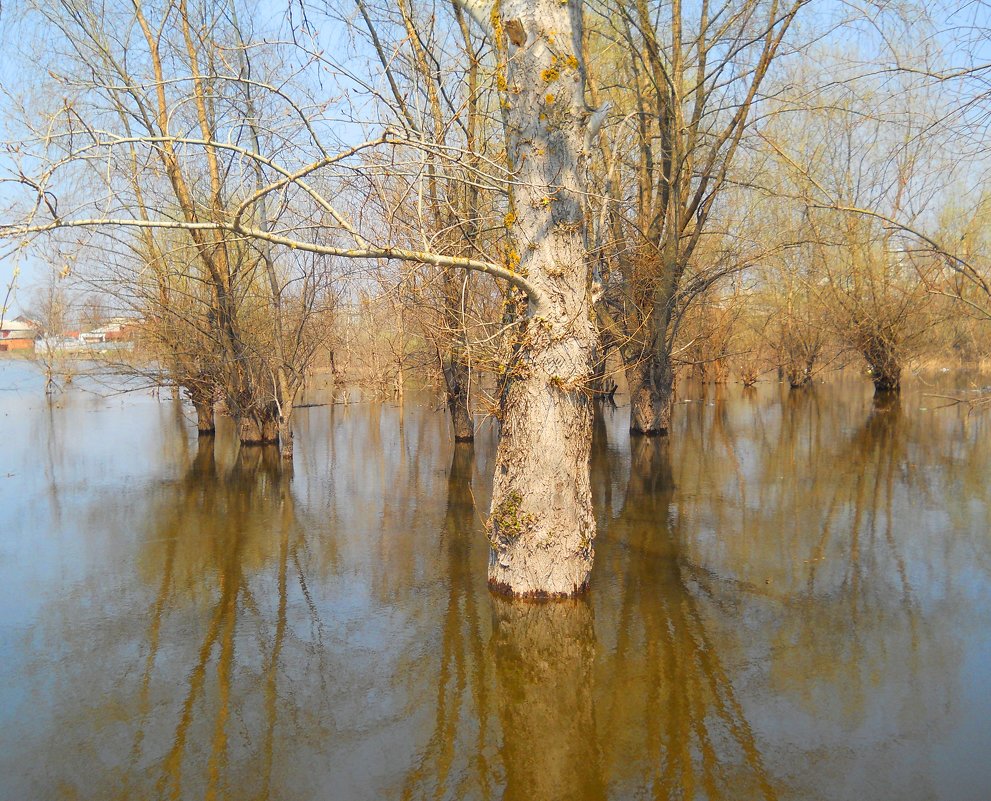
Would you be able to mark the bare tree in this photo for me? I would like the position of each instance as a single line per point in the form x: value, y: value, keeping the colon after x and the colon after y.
x: 691, y: 78
x: 51, y: 308
x: 541, y: 525
x: 438, y: 96
x: 162, y: 135
x: 872, y: 286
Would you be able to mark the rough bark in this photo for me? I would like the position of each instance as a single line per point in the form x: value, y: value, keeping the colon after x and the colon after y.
x: 456, y: 385
x: 651, y: 382
x: 541, y: 525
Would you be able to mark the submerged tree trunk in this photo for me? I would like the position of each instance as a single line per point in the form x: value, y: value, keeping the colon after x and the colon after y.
x: 651, y: 382
x: 541, y: 524
x: 799, y: 376
x: 258, y: 427
x: 456, y: 388
x: 200, y: 393
x: 886, y: 370
x: 285, y: 437
x: 454, y: 362
x: 601, y: 385
x: 647, y: 357
x: 288, y: 392
x: 205, y: 423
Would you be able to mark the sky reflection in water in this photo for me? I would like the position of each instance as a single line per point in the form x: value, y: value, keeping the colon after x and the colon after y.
x: 790, y: 601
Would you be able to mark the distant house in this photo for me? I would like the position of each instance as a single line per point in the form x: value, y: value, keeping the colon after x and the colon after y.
x: 17, y: 334
x: 118, y: 329
x: 91, y: 337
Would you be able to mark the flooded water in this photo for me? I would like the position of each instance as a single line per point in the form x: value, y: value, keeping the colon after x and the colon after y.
x: 790, y: 601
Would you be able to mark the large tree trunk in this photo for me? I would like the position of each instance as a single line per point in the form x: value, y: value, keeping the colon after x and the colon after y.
x: 649, y: 370
x: 541, y: 524
x: 651, y: 382
x: 203, y: 402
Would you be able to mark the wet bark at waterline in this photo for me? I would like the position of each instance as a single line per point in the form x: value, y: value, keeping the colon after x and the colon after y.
x: 205, y: 418
x: 258, y: 428
x: 456, y: 381
x: 651, y: 381
x: 883, y: 362
x: 232, y: 632
x: 285, y: 438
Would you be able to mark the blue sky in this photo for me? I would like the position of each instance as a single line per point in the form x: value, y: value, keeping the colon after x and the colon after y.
x: 17, y: 63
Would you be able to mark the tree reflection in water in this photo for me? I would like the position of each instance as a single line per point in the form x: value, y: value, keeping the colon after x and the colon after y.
x: 190, y: 706
x: 222, y: 526
x: 455, y: 761
x: 831, y: 562
x: 670, y: 722
x: 533, y: 669
x: 544, y: 658
x: 782, y: 608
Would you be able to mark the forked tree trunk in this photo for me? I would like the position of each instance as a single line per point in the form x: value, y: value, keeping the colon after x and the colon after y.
x: 541, y: 524
x: 651, y: 382
x: 258, y: 428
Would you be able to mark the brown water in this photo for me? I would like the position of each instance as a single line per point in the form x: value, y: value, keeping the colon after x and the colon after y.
x: 791, y: 601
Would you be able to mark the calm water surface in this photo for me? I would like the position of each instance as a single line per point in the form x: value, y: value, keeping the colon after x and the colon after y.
x: 790, y: 601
